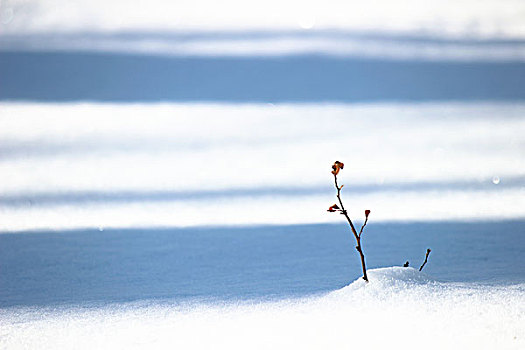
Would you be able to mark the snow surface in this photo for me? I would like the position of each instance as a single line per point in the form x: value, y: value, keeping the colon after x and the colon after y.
x: 102, y: 165
x: 465, y: 30
x: 268, y: 45
x: 501, y: 18
x: 399, y: 308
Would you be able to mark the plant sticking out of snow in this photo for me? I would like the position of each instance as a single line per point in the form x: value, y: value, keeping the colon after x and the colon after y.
x: 424, y: 262
x: 426, y: 258
x: 336, y: 168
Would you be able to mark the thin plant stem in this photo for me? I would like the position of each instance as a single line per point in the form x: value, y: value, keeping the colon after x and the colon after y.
x: 426, y: 258
x: 356, y: 235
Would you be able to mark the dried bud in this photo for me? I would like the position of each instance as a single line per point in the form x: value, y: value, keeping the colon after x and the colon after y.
x: 333, y: 208
x: 336, y: 167
x: 367, y: 212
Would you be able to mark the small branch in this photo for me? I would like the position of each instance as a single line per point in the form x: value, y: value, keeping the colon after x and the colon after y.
x: 343, y: 211
x: 426, y: 258
x: 357, y: 236
x: 362, y: 227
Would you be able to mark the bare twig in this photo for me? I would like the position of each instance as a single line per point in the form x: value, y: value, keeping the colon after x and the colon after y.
x: 366, y: 220
x: 426, y: 258
x: 337, y: 166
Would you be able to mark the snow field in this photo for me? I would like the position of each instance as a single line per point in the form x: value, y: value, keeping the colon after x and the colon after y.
x: 400, y: 307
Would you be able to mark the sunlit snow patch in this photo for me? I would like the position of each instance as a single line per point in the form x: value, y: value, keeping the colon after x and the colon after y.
x: 400, y: 307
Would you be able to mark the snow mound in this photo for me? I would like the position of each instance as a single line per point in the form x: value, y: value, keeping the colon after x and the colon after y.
x: 394, y: 276
x: 387, y: 281
x: 399, y: 308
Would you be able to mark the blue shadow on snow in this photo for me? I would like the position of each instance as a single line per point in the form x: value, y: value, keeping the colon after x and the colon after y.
x: 87, y: 267
x: 69, y: 76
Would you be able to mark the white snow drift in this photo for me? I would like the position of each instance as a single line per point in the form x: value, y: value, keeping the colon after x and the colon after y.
x: 399, y: 308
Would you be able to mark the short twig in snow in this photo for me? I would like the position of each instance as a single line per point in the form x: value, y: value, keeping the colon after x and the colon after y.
x: 426, y: 258
x: 341, y: 208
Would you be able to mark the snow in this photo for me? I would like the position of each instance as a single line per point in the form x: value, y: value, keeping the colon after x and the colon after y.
x: 399, y: 308
x: 503, y: 18
x: 67, y: 166
x: 274, y: 44
x: 465, y: 30
x: 98, y: 180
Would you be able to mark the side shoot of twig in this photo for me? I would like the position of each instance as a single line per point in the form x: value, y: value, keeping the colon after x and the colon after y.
x: 426, y: 258
x: 335, y: 170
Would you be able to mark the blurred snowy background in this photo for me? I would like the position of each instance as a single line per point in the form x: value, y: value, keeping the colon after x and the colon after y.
x: 154, y: 154
x: 127, y: 114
